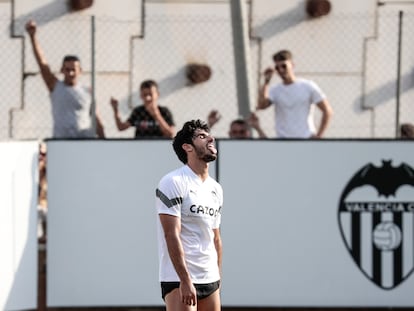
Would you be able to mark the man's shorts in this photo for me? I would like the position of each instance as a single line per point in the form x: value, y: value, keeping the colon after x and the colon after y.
x: 203, y: 290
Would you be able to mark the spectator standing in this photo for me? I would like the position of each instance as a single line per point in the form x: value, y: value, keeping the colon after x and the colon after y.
x: 189, y: 205
x: 239, y: 128
x: 150, y: 120
x: 71, y: 101
x: 294, y: 99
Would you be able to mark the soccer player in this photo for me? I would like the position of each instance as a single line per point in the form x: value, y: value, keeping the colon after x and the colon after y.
x: 189, y: 205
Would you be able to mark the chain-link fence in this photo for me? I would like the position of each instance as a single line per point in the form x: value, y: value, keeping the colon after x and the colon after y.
x: 353, y: 58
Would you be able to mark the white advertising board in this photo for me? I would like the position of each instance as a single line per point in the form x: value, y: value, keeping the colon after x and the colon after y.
x: 302, y: 223
x: 286, y: 239
x: 18, y: 241
x: 102, y: 246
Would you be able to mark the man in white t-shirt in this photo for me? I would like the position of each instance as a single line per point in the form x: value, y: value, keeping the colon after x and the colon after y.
x: 188, y: 203
x: 294, y: 101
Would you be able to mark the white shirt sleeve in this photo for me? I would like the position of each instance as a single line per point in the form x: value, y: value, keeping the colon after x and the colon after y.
x: 169, y: 197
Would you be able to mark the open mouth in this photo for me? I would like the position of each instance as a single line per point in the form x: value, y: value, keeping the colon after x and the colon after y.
x: 212, y: 148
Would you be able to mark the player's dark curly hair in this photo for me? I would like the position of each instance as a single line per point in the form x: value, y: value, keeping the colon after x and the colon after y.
x: 186, y: 136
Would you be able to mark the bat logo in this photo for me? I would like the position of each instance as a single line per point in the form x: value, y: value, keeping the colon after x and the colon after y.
x: 376, y: 220
x: 386, y: 179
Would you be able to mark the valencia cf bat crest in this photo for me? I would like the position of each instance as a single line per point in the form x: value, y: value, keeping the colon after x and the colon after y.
x: 376, y: 220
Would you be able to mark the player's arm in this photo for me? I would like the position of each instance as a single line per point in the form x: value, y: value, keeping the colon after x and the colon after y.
x: 219, y: 247
x: 47, y: 75
x: 172, y: 228
x: 327, y: 113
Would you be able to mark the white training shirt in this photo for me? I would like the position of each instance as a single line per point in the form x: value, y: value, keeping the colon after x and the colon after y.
x: 294, y: 108
x: 181, y: 193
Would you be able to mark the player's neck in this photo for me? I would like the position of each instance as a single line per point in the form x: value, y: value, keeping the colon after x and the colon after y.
x: 200, y: 168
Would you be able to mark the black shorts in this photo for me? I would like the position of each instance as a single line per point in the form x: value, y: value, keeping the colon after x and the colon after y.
x: 203, y: 290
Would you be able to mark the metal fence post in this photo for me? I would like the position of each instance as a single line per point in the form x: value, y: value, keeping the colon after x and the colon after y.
x: 398, y: 87
x: 93, y: 74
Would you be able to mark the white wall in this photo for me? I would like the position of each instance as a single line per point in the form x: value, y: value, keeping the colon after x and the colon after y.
x: 329, y: 50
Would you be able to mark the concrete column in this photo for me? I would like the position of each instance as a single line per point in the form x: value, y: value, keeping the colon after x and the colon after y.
x: 242, y: 56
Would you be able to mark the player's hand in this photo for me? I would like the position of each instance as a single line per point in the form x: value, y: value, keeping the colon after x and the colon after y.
x: 188, y: 294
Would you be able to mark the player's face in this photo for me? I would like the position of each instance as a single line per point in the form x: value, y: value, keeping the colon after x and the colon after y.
x: 71, y: 71
x: 204, y: 146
